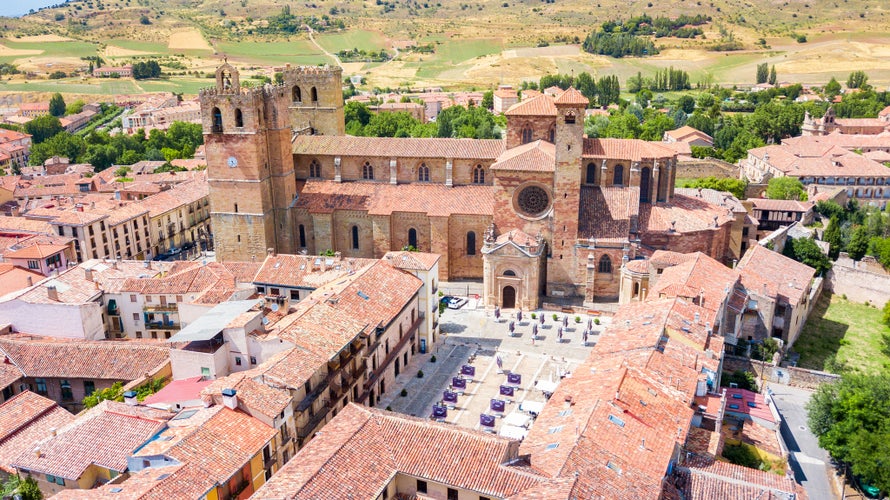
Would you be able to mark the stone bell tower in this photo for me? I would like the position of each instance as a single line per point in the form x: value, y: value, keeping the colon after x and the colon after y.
x: 249, y: 166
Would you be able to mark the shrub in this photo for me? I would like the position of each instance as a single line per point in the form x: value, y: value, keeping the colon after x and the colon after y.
x: 555, y: 317
x: 403, y: 393
x: 596, y: 321
x: 741, y: 455
x: 389, y: 408
x: 419, y: 373
x: 535, y: 316
x: 433, y: 358
x: 577, y: 319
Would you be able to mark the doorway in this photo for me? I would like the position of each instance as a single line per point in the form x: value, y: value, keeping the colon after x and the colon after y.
x: 645, y: 185
x: 508, y: 297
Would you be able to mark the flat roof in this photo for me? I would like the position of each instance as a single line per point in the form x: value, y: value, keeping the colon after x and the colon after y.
x: 208, y: 325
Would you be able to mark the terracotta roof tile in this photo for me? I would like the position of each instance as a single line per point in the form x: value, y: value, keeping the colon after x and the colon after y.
x: 412, y: 261
x: 305, y: 271
x: 687, y: 133
x: 571, y: 97
x: 345, y: 145
x: 161, y: 483
x: 608, y: 212
x: 537, y: 156
x: 762, y: 269
x: 705, y: 478
x: 626, y: 149
x: 26, y: 419
x: 540, y: 105
x: 14, y: 278
x: 38, y: 251
x: 68, y: 358
x: 254, y: 395
x: 377, y: 198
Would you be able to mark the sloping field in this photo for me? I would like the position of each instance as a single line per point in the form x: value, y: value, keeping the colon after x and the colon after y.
x: 190, y: 39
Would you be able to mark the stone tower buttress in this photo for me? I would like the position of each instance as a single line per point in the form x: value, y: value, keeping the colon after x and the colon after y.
x: 569, y: 143
x: 316, y: 99
x: 249, y: 189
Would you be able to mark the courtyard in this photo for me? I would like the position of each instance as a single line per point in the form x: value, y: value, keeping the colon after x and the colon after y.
x: 473, y: 337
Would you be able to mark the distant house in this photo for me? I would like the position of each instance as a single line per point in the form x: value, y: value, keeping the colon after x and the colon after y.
x: 107, y: 71
x: 689, y: 135
x: 504, y: 97
x: 34, y: 109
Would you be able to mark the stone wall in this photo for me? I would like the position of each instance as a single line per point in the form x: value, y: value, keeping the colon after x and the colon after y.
x: 708, y: 167
x: 863, y: 281
x: 789, y: 375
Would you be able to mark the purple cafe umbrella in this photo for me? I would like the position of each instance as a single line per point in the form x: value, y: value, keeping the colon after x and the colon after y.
x: 500, y: 362
x: 458, y: 383
x: 589, y: 324
x: 497, y: 313
x: 519, y: 315
x: 468, y: 370
x: 542, y: 319
x: 512, y: 326
x: 486, y: 420
x: 559, y: 333
x: 497, y: 405
x: 440, y: 411
x: 449, y: 397
x: 514, y: 378
x: 565, y: 320
x: 506, y: 390
x: 534, y: 329
x: 584, y: 336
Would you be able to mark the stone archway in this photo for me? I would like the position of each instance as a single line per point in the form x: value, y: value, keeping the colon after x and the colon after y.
x: 508, y: 297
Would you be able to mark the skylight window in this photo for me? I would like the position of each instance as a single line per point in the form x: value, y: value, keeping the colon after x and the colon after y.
x: 734, y: 406
x: 565, y: 413
x: 184, y: 414
x: 613, y: 466
x: 363, y: 295
x: 554, y: 430
x: 615, y: 420
x: 752, y: 404
x: 552, y: 446
x: 736, y: 396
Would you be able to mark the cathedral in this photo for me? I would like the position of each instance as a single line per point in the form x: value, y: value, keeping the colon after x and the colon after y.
x: 545, y: 211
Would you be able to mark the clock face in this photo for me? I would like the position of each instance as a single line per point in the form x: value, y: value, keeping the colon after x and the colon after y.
x: 233, y: 162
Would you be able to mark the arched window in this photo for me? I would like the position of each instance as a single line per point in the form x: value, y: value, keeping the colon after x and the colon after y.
x: 302, y: 236
x: 314, y: 169
x: 618, y: 177
x: 412, y: 238
x: 297, y: 94
x: 605, y: 265
x: 367, y: 172
x: 355, y: 237
x: 591, y: 173
x: 217, y: 120
x: 526, y: 134
x: 553, y: 134
x: 313, y: 94
x: 423, y: 173
x: 478, y: 175
x: 471, y: 243
x: 509, y: 272
x: 239, y: 118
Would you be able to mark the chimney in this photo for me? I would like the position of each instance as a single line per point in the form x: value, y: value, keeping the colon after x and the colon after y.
x: 52, y: 293
x: 270, y: 252
x: 130, y: 398
x: 147, y: 264
x: 53, y: 431
x: 88, y: 274
x: 78, y: 207
x: 30, y: 281
x: 37, y: 452
x: 697, y: 317
x: 230, y: 400
x: 338, y: 256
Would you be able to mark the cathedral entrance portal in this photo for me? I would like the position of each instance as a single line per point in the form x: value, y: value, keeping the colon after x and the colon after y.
x: 508, y: 297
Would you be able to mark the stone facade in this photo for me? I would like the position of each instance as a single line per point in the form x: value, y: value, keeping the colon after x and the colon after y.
x: 573, y: 206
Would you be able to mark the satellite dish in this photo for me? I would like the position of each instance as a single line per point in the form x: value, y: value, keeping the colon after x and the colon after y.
x: 274, y: 307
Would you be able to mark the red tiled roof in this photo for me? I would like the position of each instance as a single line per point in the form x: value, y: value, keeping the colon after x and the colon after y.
x: 744, y: 398
x: 412, y: 261
x: 571, y: 97
x: 688, y: 133
x: 537, y: 156
x: 151, y: 483
x: 626, y: 149
x: 103, y: 360
x: 540, y: 105
x: 358, y: 452
x: 346, y: 145
x: 765, y: 270
x: 377, y: 198
x: 706, y: 479
x: 13, y: 278
x: 687, y: 213
x: 178, y: 390
x: 37, y: 251
x: 302, y: 271
x: 106, y: 439
x: 781, y: 205
x: 700, y: 275
x: 24, y: 420
x: 255, y: 396
x: 608, y: 212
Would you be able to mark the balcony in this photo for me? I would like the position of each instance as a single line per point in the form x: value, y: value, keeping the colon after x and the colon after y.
x: 306, y: 430
x: 159, y: 307
x: 162, y: 325
x: 113, y: 309
x: 393, y: 353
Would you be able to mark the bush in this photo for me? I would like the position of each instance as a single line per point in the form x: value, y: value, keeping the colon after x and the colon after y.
x: 743, y: 379
x: 419, y: 373
x: 741, y: 455
x: 535, y: 316
x: 389, y: 408
x: 577, y: 319
x: 596, y: 321
x: 403, y: 393
x: 555, y: 317
x: 433, y: 358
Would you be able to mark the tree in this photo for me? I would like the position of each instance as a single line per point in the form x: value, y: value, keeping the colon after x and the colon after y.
x: 762, y: 73
x: 785, y: 188
x: 144, y: 20
x: 736, y: 187
x: 686, y: 103
x: 24, y: 489
x: 772, y: 75
x: 857, y: 80
x: 851, y: 418
x: 75, y: 107
x: 488, y: 100
x: 832, y: 88
x: 806, y: 251
x: 858, y: 245
x: 832, y: 236
x: 43, y: 127
x: 57, y: 105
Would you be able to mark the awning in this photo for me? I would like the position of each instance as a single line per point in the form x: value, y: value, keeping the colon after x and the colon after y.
x: 210, y: 324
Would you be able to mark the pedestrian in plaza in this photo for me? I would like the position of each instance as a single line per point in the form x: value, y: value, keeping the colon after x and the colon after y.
x: 519, y: 315
x: 565, y: 321
x: 512, y: 327
x: 534, y: 330
x: 497, y: 314
x: 559, y: 334
x: 542, y: 319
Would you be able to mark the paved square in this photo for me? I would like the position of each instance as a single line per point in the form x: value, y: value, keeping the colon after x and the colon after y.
x: 473, y: 336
